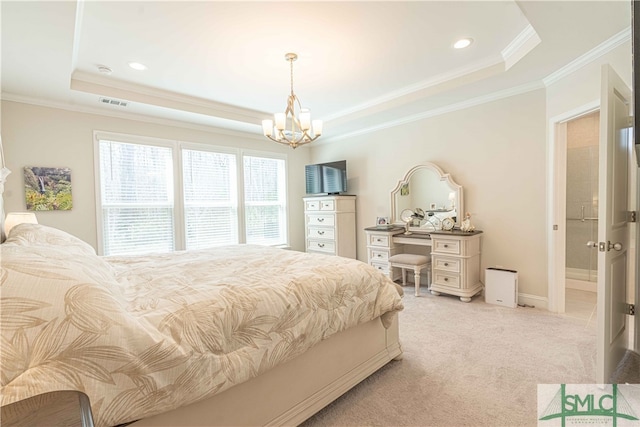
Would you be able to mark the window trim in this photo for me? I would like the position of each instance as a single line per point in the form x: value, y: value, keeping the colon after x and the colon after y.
x: 176, y: 150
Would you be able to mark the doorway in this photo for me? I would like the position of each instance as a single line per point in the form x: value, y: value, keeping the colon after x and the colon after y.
x: 563, y: 206
x: 581, y: 226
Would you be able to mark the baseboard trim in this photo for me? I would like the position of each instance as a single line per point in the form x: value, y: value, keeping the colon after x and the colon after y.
x: 534, y: 300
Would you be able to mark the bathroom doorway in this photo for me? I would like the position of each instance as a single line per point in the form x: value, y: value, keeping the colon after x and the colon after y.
x: 581, y: 261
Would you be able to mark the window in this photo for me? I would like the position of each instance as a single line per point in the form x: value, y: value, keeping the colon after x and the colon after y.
x: 137, y: 198
x: 265, y: 200
x: 210, y: 198
x: 159, y: 196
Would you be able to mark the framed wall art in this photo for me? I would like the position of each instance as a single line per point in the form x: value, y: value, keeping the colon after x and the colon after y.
x: 47, y: 189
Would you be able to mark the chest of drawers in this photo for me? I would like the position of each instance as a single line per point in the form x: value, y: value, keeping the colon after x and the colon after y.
x: 330, y: 225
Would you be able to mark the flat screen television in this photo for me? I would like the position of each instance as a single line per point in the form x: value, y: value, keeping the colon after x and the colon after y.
x: 326, y: 178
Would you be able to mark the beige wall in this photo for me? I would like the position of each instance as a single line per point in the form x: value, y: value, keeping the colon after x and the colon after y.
x: 496, y: 151
x: 41, y: 136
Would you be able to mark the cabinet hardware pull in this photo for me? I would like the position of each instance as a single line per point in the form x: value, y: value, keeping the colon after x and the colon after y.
x: 446, y: 279
x: 446, y: 246
x: 320, y: 219
x: 320, y: 232
x: 446, y: 264
x: 321, y: 245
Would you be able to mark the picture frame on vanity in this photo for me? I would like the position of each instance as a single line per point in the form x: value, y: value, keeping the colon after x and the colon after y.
x: 382, y: 222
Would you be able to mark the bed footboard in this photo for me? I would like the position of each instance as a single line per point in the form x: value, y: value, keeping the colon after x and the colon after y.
x: 292, y: 392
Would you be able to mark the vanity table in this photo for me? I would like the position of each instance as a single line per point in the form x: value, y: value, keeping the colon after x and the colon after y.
x: 455, y: 257
x: 455, y: 254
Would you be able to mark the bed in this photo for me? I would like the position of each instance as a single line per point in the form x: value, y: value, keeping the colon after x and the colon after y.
x: 239, y: 335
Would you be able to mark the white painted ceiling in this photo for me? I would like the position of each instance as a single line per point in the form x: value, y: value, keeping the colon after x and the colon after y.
x: 361, y: 65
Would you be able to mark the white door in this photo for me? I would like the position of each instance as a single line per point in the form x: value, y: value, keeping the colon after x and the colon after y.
x: 613, y: 230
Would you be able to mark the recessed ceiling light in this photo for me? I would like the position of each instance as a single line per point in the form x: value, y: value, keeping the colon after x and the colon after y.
x: 462, y: 43
x: 137, y: 66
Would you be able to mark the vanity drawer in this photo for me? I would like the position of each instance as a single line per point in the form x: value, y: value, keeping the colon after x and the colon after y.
x: 327, y: 205
x: 446, y: 264
x: 328, y: 220
x: 378, y: 255
x: 445, y: 279
x: 381, y: 240
x: 383, y: 267
x: 446, y: 246
x: 320, y: 246
x: 321, y: 233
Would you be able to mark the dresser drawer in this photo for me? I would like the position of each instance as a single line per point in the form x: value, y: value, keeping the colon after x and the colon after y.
x: 327, y: 205
x: 378, y: 255
x: 320, y: 246
x: 328, y: 220
x: 446, y: 264
x: 312, y: 205
x: 446, y: 246
x: 444, y: 278
x: 321, y: 233
x: 381, y: 240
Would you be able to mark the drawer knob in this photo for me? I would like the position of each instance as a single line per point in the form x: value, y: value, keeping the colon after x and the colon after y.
x: 446, y: 264
x: 379, y: 255
x: 446, y: 279
x: 321, y: 245
x: 320, y: 219
x: 320, y: 232
x: 378, y: 240
x: 446, y: 246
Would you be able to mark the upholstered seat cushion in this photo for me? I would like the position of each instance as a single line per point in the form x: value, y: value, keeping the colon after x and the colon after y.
x: 409, y: 259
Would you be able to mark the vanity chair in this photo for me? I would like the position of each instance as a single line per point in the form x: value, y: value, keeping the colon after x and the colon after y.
x: 417, y: 263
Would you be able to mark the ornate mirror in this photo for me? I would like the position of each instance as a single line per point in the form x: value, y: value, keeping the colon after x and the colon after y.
x: 431, y: 194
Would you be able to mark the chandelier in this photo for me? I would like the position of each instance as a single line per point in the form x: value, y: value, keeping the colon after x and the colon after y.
x: 290, y: 128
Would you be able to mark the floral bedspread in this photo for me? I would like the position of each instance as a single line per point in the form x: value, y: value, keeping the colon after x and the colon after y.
x: 141, y: 335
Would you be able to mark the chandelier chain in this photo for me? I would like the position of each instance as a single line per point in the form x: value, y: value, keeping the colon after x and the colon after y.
x: 291, y: 66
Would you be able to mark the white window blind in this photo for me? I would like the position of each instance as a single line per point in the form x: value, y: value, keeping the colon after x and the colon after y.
x: 136, y: 183
x: 159, y: 196
x: 210, y: 198
x: 265, y: 200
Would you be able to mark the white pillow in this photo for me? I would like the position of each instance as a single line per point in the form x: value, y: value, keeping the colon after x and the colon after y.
x: 30, y: 234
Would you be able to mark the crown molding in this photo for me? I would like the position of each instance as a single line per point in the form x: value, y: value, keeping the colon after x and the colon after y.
x: 520, y: 46
x: 507, y: 93
x: 421, y: 86
x: 127, y: 115
x: 104, y: 86
x: 595, y: 53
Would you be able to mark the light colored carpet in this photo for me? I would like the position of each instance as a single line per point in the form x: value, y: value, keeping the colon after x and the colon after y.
x: 468, y: 364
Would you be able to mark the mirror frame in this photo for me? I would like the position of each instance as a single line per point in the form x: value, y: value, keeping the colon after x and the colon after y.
x: 442, y: 176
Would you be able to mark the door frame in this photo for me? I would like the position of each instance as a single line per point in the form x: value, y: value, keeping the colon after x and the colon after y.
x: 556, y: 203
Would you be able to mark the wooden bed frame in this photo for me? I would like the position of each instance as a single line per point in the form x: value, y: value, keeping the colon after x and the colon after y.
x: 292, y: 392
